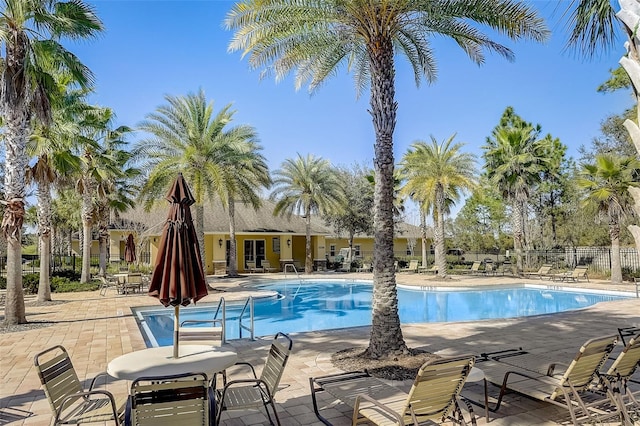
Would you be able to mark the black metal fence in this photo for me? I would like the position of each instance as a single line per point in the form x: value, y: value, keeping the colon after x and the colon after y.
x: 31, y: 263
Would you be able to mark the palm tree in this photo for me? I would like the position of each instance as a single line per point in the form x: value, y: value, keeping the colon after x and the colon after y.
x: 607, y: 183
x: 305, y: 186
x: 594, y: 26
x: 30, y: 31
x: 436, y: 175
x: 186, y: 136
x: 51, y: 147
x: 315, y: 37
x: 513, y: 164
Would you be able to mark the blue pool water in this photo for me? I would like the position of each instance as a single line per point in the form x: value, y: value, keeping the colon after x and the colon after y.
x: 328, y: 305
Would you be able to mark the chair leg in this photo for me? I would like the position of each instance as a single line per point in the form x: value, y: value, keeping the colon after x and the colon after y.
x: 275, y: 413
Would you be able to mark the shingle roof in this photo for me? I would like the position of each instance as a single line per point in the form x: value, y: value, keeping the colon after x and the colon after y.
x: 216, y: 219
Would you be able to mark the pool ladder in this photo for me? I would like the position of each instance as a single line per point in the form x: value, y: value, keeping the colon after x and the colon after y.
x: 221, y: 322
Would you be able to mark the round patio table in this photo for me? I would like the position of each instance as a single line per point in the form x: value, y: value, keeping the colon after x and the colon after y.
x: 153, y: 362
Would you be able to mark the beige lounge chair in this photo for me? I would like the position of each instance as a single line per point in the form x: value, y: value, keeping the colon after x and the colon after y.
x: 475, y: 268
x: 266, y: 266
x: 434, y: 396
x: 251, y: 267
x: 413, y: 266
x: 619, y: 376
x: 256, y: 392
x: 429, y: 269
x: 366, y: 267
x: 170, y: 400
x: 544, y: 271
x: 70, y: 403
x: 578, y: 273
x: 578, y: 389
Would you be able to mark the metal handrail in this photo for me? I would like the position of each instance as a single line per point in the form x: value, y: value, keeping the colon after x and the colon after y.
x: 294, y: 270
x: 222, y: 306
x: 248, y: 303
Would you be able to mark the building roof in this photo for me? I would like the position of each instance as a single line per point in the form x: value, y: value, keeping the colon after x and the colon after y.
x: 216, y: 220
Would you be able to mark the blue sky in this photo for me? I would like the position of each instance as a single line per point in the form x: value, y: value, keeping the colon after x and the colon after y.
x: 154, y: 48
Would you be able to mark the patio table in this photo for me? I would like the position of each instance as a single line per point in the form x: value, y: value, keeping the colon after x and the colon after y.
x: 160, y: 362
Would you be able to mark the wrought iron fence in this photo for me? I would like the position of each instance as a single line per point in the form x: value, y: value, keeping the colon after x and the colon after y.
x: 31, y: 263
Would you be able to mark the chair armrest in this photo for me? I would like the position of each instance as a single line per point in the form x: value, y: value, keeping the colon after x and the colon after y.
x: 95, y: 379
x: 259, y: 383
x: 86, y: 395
x: 552, y: 367
x: 356, y: 407
x: 253, y: 371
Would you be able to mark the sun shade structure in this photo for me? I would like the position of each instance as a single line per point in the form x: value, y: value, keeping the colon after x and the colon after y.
x: 178, y: 277
x: 130, y: 250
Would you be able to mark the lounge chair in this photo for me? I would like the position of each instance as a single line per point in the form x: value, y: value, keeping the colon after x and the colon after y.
x: 179, y: 399
x: 266, y: 266
x: 505, y: 268
x: 435, y: 394
x: 70, y: 403
x: 544, y: 271
x: 251, y: 267
x: 576, y: 275
x: 366, y: 267
x: 619, y: 377
x: 106, y: 283
x: 413, y: 266
x: 628, y: 332
x: 429, y: 269
x: 256, y: 392
x: 489, y: 269
x: 577, y: 389
x: 475, y: 268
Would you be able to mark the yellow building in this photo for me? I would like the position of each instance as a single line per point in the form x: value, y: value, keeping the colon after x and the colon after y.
x: 259, y: 236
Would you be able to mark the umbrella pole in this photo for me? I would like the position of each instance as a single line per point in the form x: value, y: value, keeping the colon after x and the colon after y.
x: 176, y: 330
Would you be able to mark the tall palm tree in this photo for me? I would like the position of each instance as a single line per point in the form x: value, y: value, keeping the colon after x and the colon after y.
x: 594, y: 26
x: 306, y: 186
x: 30, y: 31
x: 436, y: 174
x: 513, y: 164
x: 315, y: 37
x: 607, y: 183
x: 186, y: 136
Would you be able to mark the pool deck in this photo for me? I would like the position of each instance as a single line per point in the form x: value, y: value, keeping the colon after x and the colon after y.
x: 96, y: 329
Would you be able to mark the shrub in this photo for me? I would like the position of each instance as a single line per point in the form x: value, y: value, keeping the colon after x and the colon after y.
x: 67, y: 273
x: 3, y: 283
x: 30, y: 283
x: 65, y: 285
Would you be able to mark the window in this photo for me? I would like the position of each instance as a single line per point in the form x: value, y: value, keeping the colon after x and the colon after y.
x: 275, y: 244
x: 356, y: 250
x: 332, y: 250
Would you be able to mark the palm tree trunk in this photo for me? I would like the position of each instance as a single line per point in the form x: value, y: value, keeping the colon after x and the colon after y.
x: 233, y: 261
x: 616, y: 265
x: 423, y: 231
x: 386, y: 335
x: 103, y: 239
x: 43, y: 196
x: 13, y: 104
x: 441, y: 258
x: 87, y: 223
x: 308, y: 263
x: 517, y: 234
x: 199, y: 224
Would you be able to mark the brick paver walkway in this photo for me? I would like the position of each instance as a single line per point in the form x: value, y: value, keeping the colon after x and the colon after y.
x: 96, y: 329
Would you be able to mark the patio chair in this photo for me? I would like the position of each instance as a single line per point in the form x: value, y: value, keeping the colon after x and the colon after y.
x: 366, y: 267
x: 256, y: 392
x: 576, y: 390
x: 413, y: 266
x: 544, y: 271
x: 106, y: 283
x: 266, y: 266
x: 181, y: 399
x: 251, y: 267
x: 69, y: 402
x: 489, y: 269
x: 619, y: 376
x: 475, y: 268
x: 428, y: 269
x: 434, y: 396
x: 576, y: 275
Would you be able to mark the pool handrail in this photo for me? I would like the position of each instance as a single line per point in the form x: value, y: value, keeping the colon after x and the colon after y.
x: 294, y: 270
x: 248, y: 303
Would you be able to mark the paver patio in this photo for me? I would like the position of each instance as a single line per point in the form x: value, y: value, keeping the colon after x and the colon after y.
x: 96, y: 329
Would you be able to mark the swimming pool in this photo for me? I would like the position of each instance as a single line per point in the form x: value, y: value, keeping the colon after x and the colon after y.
x: 331, y: 304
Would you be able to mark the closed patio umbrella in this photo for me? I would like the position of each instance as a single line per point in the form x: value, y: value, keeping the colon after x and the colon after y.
x: 178, y: 277
x: 130, y: 250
